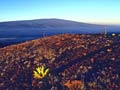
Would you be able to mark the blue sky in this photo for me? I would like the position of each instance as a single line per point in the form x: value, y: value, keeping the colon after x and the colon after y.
x: 92, y: 11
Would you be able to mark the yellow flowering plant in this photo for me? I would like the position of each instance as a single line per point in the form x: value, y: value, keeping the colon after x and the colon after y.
x: 40, y: 72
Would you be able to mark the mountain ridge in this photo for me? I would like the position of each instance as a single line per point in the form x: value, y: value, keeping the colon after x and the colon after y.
x: 26, y: 30
x: 53, y: 19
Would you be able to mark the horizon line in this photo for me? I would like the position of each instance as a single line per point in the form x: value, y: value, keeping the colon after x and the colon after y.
x: 97, y: 23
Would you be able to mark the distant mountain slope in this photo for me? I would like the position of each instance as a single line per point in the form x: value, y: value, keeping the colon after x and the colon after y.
x: 37, y: 27
x: 20, y: 31
x: 47, y: 22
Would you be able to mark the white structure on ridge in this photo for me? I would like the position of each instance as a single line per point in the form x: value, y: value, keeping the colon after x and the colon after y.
x: 105, y: 28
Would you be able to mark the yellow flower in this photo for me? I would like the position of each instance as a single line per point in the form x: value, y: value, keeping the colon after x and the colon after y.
x: 40, y: 72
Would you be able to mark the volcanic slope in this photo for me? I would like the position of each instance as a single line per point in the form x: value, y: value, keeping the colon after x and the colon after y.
x: 68, y: 56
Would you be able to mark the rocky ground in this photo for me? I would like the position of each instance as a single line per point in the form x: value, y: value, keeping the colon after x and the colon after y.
x: 91, y: 59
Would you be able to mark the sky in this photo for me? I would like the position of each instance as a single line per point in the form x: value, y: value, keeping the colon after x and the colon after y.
x: 90, y: 11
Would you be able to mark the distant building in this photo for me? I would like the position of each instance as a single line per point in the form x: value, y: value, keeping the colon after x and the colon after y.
x: 113, y: 34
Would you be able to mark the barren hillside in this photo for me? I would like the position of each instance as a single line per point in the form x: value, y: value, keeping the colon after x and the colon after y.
x: 86, y: 58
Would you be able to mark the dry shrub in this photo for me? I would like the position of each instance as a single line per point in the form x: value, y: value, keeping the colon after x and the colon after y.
x: 74, y: 85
